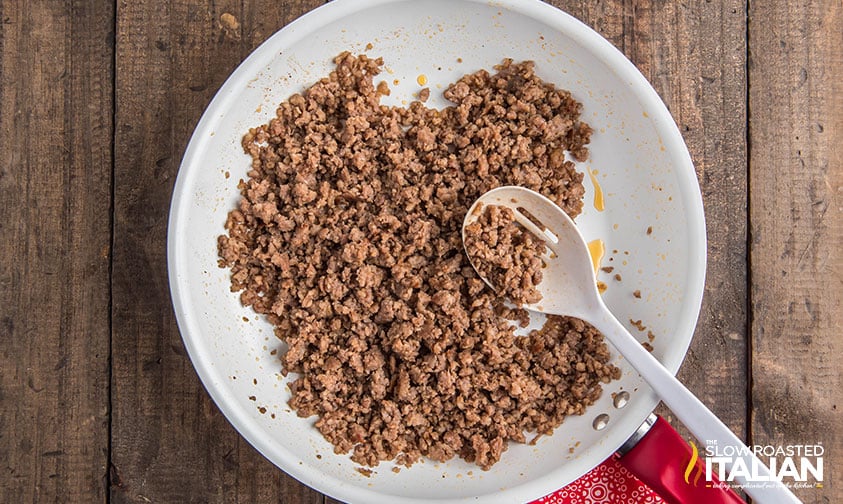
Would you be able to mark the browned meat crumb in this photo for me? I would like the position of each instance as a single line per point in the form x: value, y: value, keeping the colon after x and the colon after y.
x: 638, y: 325
x: 230, y: 25
x: 618, y: 277
x: 647, y: 345
x: 651, y: 336
x: 424, y: 94
x: 607, y: 269
x: 347, y: 238
x: 519, y: 315
x: 649, y: 230
x: 365, y: 472
x: 506, y: 254
x: 637, y: 294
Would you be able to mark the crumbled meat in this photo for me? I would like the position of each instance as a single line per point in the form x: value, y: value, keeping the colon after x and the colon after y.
x: 347, y: 238
x: 506, y: 254
x: 638, y: 325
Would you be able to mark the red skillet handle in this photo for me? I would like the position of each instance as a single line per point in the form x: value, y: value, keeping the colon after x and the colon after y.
x: 660, y: 460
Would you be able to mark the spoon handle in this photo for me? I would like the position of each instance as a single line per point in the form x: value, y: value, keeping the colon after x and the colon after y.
x: 762, y: 486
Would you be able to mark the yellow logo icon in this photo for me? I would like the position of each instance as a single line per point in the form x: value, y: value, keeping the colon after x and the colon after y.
x: 695, y: 456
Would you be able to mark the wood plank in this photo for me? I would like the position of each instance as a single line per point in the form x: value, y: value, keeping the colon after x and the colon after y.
x: 694, y: 54
x: 170, y: 443
x: 796, y: 195
x: 55, y: 192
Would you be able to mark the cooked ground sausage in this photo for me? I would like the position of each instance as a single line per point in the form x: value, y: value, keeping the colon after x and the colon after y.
x: 347, y: 237
x: 506, y: 254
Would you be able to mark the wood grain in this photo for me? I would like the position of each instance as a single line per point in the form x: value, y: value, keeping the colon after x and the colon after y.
x: 694, y: 55
x: 170, y: 443
x: 796, y: 184
x: 55, y: 187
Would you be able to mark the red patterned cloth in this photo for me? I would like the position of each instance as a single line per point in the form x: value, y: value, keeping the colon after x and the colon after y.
x: 608, y: 483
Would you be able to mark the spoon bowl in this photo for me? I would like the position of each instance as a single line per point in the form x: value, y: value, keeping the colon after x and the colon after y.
x: 569, y: 288
x: 573, y: 288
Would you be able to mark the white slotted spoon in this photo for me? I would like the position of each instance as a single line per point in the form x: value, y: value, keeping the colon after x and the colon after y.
x: 570, y: 288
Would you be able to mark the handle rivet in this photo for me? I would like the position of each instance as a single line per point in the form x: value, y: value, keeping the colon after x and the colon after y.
x: 600, y: 422
x: 621, y: 398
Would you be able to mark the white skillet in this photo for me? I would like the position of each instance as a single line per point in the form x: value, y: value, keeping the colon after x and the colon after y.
x: 638, y: 157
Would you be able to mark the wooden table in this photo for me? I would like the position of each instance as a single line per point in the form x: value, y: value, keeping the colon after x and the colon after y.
x: 98, y: 100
